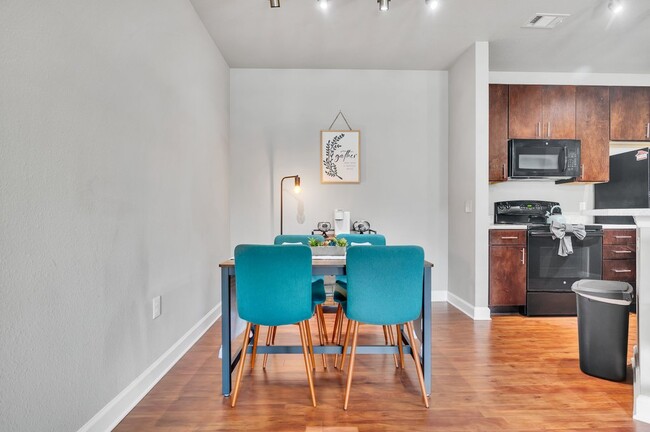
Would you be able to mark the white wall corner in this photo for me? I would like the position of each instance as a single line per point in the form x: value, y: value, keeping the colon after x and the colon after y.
x: 475, y: 313
x: 113, y: 413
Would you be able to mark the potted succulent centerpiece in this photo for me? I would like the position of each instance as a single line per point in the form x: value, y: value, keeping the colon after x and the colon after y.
x: 329, y: 247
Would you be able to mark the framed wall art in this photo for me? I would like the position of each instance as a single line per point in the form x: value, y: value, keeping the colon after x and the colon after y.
x: 339, y: 156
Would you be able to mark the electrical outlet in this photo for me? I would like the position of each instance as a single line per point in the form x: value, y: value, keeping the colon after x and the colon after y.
x: 156, y: 307
x: 583, y: 205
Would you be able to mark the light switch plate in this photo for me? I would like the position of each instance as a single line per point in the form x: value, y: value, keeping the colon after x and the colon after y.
x: 583, y: 205
x: 156, y: 307
x: 469, y: 206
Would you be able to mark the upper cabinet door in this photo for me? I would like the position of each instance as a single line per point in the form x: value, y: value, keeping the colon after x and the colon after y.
x: 592, y: 129
x: 559, y: 112
x: 498, y: 132
x: 525, y: 111
x: 629, y: 112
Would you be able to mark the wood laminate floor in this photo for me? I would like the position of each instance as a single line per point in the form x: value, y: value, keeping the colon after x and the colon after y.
x: 509, y: 374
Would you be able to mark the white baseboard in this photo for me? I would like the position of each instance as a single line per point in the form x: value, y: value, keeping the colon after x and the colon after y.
x: 113, y: 413
x: 475, y: 313
x: 439, y: 296
x: 642, y: 408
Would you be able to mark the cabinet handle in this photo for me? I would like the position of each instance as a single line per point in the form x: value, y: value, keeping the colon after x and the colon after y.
x: 509, y: 238
x: 623, y: 237
x: 523, y: 256
x: 621, y: 271
x: 505, y: 174
x: 549, y: 129
x: 647, y: 131
x: 623, y: 252
x: 582, y: 171
x: 538, y: 129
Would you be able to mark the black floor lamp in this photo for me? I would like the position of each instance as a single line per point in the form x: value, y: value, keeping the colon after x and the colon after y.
x: 296, y: 188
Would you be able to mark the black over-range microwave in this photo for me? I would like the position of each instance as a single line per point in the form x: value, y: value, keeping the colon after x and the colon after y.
x: 543, y: 158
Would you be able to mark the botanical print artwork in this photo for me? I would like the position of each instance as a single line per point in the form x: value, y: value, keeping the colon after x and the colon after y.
x: 340, y: 156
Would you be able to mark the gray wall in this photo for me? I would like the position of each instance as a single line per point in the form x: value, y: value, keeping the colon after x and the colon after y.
x: 468, y: 188
x: 276, y: 119
x: 114, y: 189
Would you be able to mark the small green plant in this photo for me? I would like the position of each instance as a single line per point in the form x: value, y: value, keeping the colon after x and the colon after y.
x: 314, y: 242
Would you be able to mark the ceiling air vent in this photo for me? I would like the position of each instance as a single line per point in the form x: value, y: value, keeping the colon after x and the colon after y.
x: 545, y: 20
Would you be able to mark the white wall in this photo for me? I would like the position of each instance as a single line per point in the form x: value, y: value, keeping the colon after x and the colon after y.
x: 568, y: 195
x: 114, y: 189
x: 468, y: 188
x: 276, y: 119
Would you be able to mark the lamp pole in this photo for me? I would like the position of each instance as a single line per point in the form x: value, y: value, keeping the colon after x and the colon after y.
x: 296, y: 185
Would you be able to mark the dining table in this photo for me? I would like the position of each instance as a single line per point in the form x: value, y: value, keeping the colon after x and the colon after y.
x: 321, y: 266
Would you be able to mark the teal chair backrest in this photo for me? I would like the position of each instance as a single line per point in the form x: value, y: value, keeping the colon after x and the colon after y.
x: 273, y: 284
x: 384, y: 284
x: 296, y: 238
x: 373, y: 239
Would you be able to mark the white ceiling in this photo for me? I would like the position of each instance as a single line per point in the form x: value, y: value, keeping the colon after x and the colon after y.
x: 353, y: 34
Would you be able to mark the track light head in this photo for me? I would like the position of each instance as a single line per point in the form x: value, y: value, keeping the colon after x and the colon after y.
x: 615, y: 6
x: 433, y: 4
x: 323, y: 4
x: 275, y: 3
x: 383, y: 4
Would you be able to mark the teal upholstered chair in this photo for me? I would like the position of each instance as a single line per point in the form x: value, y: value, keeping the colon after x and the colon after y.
x: 384, y: 288
x: 318, y: 293
x: 341, y: 281
x: 273, y: 289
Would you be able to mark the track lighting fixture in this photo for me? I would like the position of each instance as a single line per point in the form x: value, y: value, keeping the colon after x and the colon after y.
x: 615, y: 6
x: 383, y: 4
x: 323, y: 4
x: 432, y: 3
x: 275, y: 3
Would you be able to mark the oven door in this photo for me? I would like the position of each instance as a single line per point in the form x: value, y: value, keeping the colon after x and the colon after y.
x: 550, y: 272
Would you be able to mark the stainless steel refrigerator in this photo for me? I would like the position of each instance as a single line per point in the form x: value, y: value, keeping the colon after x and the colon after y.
x: 628, y: 186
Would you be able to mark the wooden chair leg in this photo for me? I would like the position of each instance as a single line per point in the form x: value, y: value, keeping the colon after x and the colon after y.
x: 320, y: 334
x: 311, y: 346
x: 385, y: 335
x: 322, y: 320
x: 418, y: 366
x: 337, y: 316
x: 242, y: 359
x: 269, y: 340
x: 256, y: 335
x: 304, y: 330
x: 392, y: 343
x: 340, y: 335
x: 399, y: 345
x: 351, y: 369
x: 345, y: 344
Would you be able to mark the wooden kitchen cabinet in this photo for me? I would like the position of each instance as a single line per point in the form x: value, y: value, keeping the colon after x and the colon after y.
x: 629, y: 113
x: 498, y: 150
x: 507, y: 268
x: 537, y: 111
x: 619, y: 255
x: 592, y: 129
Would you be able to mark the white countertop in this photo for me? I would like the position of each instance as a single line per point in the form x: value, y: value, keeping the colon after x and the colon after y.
x: 515, y: 227
x: 618, y: 212
x: 617, y: 226
x: 507, y: 226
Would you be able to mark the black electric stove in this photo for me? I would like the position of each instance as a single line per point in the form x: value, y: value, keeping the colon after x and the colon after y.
x: 549, y: 276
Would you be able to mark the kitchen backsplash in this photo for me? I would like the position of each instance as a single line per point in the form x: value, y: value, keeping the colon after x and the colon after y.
x: 568, y: 195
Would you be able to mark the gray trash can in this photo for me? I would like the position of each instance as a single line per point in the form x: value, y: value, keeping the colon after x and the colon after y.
x: 603, y: 321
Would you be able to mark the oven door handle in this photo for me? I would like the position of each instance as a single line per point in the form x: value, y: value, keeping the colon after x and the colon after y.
x: 550, y: 234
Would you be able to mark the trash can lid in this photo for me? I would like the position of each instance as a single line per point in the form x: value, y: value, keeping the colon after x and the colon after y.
x: 604, y: 291
x: 601, y: 286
